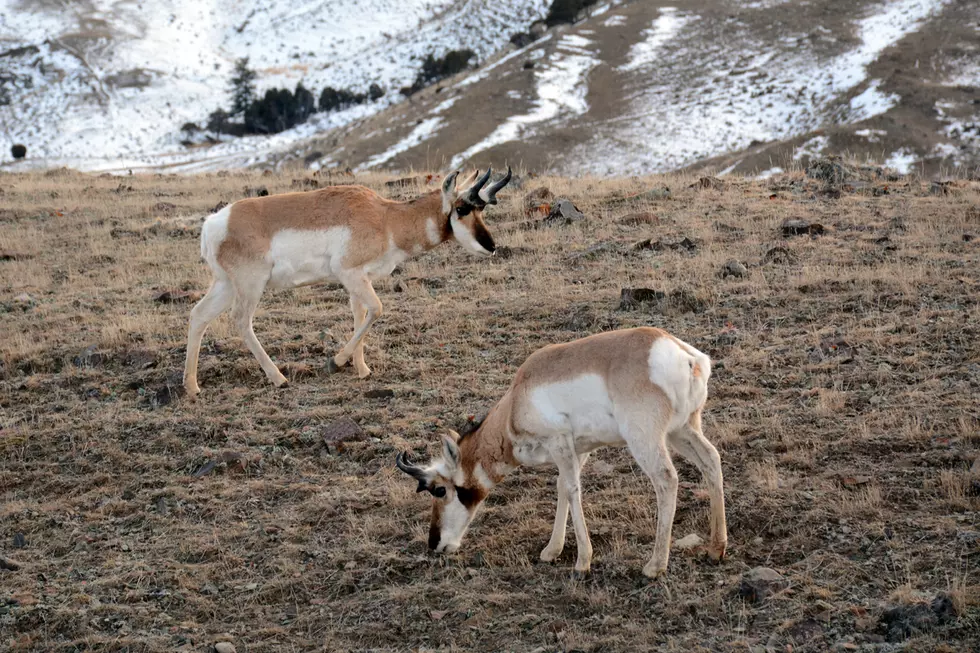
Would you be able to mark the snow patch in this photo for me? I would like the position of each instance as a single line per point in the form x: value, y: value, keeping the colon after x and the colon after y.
x: 766, y: 174
x: 873, y: 135
x: 561, y: 88
x: 422, y: 132
x: 901, y: 161
x: 665, y: 27
x: 872, y: 102
x: 812, y: 148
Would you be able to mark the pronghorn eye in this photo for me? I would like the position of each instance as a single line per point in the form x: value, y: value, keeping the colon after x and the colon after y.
x: 439, y: 492
x: 463, y: 210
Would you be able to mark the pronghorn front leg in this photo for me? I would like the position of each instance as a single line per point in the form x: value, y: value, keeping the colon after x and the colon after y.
x: 557, y: 542
x: 361, y: 290
x: 569, y: 471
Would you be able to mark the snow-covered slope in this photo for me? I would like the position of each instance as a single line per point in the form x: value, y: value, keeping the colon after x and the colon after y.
x: 107, y: 83
x: 636, y: 87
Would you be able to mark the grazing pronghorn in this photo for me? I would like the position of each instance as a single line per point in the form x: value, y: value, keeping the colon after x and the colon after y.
x: 639, y: 388
x: 348, y: 234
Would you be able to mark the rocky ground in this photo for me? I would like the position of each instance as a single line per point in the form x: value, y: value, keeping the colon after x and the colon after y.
x: 840, y: 308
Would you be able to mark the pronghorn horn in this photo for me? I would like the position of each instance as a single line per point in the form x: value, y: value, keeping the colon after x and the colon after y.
x: 447, y: 184
x: 489, y: 194
x: 401, y: 460
x: 473, y: 194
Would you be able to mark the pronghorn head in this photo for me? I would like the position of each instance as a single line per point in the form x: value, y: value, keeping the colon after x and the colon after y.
x: 455, y: 498
x: 464, y: 204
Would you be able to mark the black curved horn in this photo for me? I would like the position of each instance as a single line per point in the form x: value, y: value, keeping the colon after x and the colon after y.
x: 489, y: 194
x: 473, y: 194
x: 447, y: 185
x: 401, y: 460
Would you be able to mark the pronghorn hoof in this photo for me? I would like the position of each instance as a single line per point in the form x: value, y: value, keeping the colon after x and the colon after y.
x: 332, y: 367
x: 580, y: 575
x: 716, y: 553
x: 548, y: 556
x: 280, y: 382
x: 365, y: 374
x: 654, y: 572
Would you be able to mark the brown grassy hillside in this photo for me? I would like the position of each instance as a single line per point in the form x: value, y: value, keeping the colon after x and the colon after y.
x: 843, y: 402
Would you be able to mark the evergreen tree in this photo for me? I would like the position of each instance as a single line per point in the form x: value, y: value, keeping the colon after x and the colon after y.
x: 242, y: 87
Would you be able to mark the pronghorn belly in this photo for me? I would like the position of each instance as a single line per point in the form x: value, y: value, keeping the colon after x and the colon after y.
x: 301, y: 257
x: 580, y: 406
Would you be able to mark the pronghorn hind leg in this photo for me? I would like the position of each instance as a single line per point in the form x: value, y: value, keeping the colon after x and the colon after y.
x: 361, y: 289
x: 689, y: 442
x: 215, y: 302
x: 249, y: 285
x: 649, y: 448
x: 360, y: 314
x: 557, y: 542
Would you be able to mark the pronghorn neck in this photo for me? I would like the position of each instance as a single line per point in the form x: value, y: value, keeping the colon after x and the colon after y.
x: 487, y: 454
x: 419, y: 225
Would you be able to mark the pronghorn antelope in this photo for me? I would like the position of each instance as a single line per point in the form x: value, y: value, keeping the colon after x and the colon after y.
x: 639, y: 388
x: 348, y: 234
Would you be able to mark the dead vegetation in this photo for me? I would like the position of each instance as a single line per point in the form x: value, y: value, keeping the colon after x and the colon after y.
x: 843, y: 403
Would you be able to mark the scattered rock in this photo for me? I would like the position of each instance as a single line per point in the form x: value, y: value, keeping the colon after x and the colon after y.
x: 8, y: 564
x: 831, y: 170
x: 6, y: 255
x: 833, y: 347
x: 734, y: 268
x: 164, y: 395
x: 19, y: 541
x: 688, y: 542
x: 759, y: 583
x: 712, y: 183
x: 233, y: 461
x: 164, y: 207
x: 18, y: 151
x: 178, y: 296
x: 942, y: 187
x: 25, y: 301
x: 538, y: 201
x: 685, y: 244
x: 662, y: 193
x: 640, y: 218
x: 380, y: 393
x: 778, y: 255
x: 405, y: 182
x: 261, y: 191
x: 224, y: 647
x: 630, y: 298
x: 90, y: 357
x: 563, y: 212
x: 528, y: 65
x: 336, y: 434
x: 591, y: 252
x: 305, y: 183
x: 797, y: 227
x: 905, y: 621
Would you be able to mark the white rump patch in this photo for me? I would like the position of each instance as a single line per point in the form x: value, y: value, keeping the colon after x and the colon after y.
x: 213, y: 233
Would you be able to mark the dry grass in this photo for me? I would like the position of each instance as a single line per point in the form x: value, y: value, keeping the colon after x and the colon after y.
x: 843, y: 403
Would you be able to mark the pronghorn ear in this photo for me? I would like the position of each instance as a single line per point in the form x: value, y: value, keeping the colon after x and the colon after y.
x: 454, y: 435
x: 450, y: 450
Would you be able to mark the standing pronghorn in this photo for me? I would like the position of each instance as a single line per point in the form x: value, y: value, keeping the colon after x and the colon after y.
x: 640, y: 388
x: 348, y: 234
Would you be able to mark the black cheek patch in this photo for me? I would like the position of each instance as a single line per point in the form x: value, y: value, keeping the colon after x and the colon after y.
x: 484, y: 238
x: 434, y: 536
x: 469, y: 497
